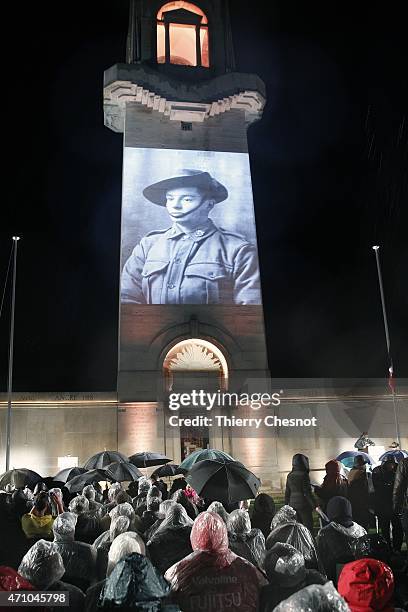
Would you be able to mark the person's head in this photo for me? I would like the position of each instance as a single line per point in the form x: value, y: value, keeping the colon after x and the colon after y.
x: 333, y: 468
x: 165, y: 507
x: 154, y: 478
x: 239, y: 522
x: 79, y: 505
x: 120, y: 524
x: 264, y: 504
x: 284, y: 565
x: 300, y: 462
x: 219, y: 509
x: 64, y: 526
x: 390, y: 464
x: 39, y: 487
x: 339, y: 511
x: 314, y: 597
x: 123, y: 545
x: 89, y: 492
x: 359, y: 461
x: 286, y: 514
x: 123, y: 510
x: 366, y: 584
x: 42, y: 565
x: 143, y: 486
x: 209, y: 533
x: 42, y: 503
x: 122, y: 498
x: 153, y: 504
x: 154, y: 492
x: 188, y: 203
x: 114, y: 490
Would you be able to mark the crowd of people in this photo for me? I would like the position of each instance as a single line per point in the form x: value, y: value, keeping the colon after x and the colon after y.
x: 147, y: 548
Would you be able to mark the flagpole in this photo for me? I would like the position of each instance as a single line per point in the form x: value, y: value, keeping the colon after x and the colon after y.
x: 376, y: 250
x: 11, y: 354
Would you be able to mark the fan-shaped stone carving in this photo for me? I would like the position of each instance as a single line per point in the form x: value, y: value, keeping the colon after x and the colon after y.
x: 195, y: 357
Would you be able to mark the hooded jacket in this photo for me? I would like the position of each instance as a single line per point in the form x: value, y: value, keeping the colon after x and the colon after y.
x: 263, y: 513
x: 298, y: 493
x: 400, y: 493
x: 285, y: 529
x: 213, y: 578
x: 334, y: 483
x: 367, y: 585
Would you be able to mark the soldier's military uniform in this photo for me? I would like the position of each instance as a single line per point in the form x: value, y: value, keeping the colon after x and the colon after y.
x: 208, y: 266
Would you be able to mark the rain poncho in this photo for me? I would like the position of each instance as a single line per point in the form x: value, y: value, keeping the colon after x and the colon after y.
x: 42, y: 565
x: 314, y: 598
x: 134, y: 583
x: 219, y: 509
x: 163, y: 509
x: 171, y: 541
x: 10, y: 580
x: 79, y: 558
x: 335, y: 541
x: 367, y: 585
x: 213, y: 578
x: 244, y: 541
x: 119, y: 525
x: 114, y: 490
x: 95, y: 507
x: 123, y: 510
x: 79, y: 505
x: 124, y: 545
x: 373, y: 546
x: 181, y: 498
x: 285, y: 529
x: 263, y: 513
x: 287, y: 574
x: 57, y: 493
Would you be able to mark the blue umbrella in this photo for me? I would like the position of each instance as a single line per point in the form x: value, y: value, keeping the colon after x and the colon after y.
x: 347, y: 458
x: 398, y: 455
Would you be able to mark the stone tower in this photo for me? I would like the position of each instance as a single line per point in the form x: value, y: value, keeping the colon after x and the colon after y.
x: 191, y: 310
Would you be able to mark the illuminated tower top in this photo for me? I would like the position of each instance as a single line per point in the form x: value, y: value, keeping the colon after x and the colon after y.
x: 180, y: 63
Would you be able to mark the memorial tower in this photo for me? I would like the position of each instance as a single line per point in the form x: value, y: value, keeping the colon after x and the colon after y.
x: 191, y: 309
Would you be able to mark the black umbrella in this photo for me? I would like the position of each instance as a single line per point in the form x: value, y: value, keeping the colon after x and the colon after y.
x: 68, y: 474
x: 170, y: 469
x: 79, y: 482
x: 101, y: 460
x: 121, y: 472
x: 20, y: 478
x: 223, y: 480
x: 148, y: 459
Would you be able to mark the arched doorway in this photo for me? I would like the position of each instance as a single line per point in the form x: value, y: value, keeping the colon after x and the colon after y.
x: 194, y: 364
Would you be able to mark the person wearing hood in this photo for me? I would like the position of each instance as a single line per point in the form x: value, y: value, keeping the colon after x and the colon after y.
x: 359, y: 492
x: 334, y: 483
x: 244, y: 541
x: 43, y: 567
x: 88, y: 527
x: 38, y: 522
x: 171, y: 541
x: 367, y: 585
x: 287, y: 574
x: 139, y: 502
x: 178, y: 484
x: 298, y: 493
x: 383, y: 483
x: 400, y: 494
x: 181, y: 498
x: 134, y: 581
x: 123, y: 545
x: 263, y: 513
x: 335, y: 542
x: 212, y: 577
x: 163, y: 510
x: 79, y: 558
x: 286, y: 529
x: 95, y: 508
x: 316, y: 598
x: 219, y: 509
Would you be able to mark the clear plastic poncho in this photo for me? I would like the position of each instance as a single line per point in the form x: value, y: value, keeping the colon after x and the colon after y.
x: 114, y: 490
x: 143, y: 485
x: 285, y: 529
x: 176, y: 517
x: 243, y: 540
x: 284, y: 565
x: 124, y: 544
x: 79, y: 558
x: 163, y: 509
x: 42, y: 565
x: 125, y: 509
x: 314, y: 598
x: 64, y: 526
x: 79, y: 505
x: 219, y: 509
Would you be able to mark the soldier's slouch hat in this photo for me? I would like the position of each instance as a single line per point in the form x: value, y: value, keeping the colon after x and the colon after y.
x: 156, y: 193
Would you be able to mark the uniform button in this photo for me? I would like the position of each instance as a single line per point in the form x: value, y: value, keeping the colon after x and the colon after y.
x: 171, y: 286
x: 199, y: 233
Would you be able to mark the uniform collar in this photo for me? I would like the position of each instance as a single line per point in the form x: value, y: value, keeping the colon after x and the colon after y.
x: 200, y: 233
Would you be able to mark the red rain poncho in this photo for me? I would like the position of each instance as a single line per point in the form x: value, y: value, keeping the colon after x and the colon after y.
x: 213, y: 578
x: 367, y: 585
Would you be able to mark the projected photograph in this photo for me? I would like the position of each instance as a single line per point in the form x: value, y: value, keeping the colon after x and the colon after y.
x: 188, y: 228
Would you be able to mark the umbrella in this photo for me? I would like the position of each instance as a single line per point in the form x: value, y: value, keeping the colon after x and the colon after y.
x: 121, y: 471
x: 68, y: 473
x: 223, y: 480
x: 79, y: 482
x: 20, y: 478
x: 148, y: 459
x: 202, y: 455
x: 398, y: 455
x: 101, y: 460
x: 170, y: 469
x: 347, y: 458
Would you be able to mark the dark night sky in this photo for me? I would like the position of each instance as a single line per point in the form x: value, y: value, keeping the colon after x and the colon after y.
x: 329, y: 166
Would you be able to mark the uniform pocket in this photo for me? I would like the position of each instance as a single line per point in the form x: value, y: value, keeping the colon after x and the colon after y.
x: 207, y: 279
x: 153, y: 274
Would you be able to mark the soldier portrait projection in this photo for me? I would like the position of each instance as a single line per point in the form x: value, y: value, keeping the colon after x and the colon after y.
x: 188, y: 228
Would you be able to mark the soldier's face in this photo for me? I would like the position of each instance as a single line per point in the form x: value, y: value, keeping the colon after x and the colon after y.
x: 187, y: 202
